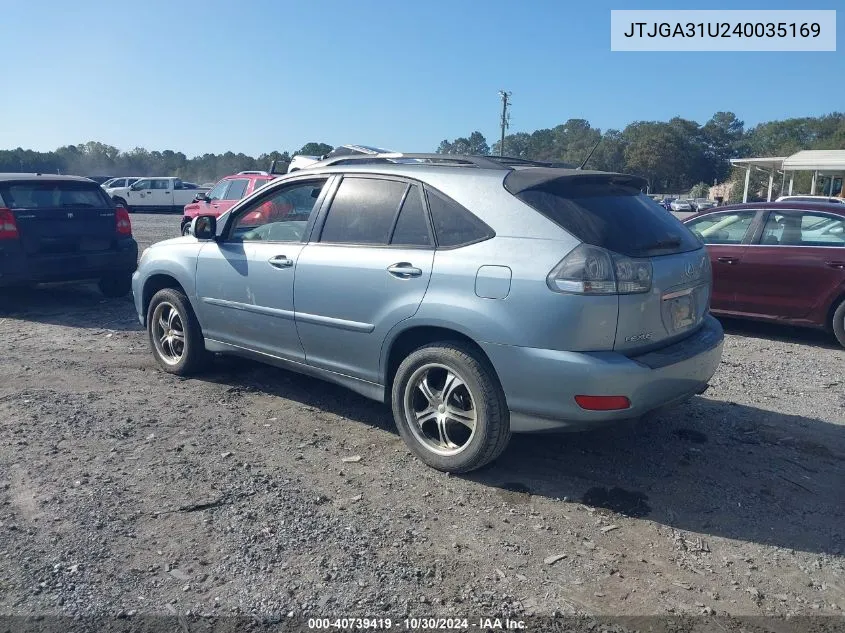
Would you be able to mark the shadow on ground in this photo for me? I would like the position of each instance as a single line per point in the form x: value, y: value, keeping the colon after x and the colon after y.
x: 71, y: 304
x: 707, y: 466
x: 782, y: 333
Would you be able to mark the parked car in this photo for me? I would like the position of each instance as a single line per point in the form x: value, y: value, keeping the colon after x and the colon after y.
x: 681, y: 205
x: 223, y: 195
x: 303, y: 162
x: 666, y: 203
x: 477, y: 299
x: 115, y: 183
x: 702, y: 204
x: 778, y: 261
x: 63, y: 228
x: 833, y: 199
x: 155, y: 194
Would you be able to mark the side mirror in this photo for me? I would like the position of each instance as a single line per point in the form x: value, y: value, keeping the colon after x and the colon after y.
x: 204, y: 227
x: 201, y: 197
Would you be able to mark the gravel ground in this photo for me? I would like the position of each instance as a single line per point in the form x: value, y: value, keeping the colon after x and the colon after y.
x: 250, y: 490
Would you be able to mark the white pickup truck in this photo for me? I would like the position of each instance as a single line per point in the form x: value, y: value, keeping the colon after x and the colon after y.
x: 156, y: 194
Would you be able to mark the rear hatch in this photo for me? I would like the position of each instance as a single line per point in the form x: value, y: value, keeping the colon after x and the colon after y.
x: 59, y: 217
x: 609, y: 211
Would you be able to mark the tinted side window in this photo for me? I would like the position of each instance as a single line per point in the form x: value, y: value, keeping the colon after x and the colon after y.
x: 363, y: 211
x: 144, y: 184
x: 729, y: 227
x: 453, y: 224
x: 236, y: 190
x: 803, y: 229
x: 412, y: 225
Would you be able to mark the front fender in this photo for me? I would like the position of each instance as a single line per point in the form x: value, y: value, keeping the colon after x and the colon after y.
x: 163, y: 264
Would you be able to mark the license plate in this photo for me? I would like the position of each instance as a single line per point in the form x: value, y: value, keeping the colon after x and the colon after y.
x: 682, y: 310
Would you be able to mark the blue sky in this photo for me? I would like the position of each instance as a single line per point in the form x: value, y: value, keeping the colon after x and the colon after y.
x: 210, y: 76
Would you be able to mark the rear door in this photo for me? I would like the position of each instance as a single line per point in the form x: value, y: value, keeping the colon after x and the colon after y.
x: 60, y: 217
x: 162, y: 193
x: 796, y: 265
x: 365, y: 270
x: 726, y: 234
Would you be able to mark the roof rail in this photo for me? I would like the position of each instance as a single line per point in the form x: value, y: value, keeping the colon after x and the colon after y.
x: 457, y: 160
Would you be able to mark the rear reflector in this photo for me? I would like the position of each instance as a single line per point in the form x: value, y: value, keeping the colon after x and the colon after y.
x: 8, y: 226
x: 122, y: 222
x: 603, y: 403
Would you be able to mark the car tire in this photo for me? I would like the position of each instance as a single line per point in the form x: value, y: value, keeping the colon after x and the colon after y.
x: 175, y: 335
x: 450, y: 377
x: 115, y: 286
x: 186, y: 229
x: 839, y: 323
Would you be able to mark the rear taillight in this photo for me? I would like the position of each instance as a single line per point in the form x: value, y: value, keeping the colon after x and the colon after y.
x: 590, y: 270
x: 122, y: 222
x: 8, y: 225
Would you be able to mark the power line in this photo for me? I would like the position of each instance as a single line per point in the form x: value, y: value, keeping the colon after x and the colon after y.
x: 505, y: 119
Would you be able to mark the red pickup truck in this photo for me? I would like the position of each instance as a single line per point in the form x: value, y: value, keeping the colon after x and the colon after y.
x: 224, y: 195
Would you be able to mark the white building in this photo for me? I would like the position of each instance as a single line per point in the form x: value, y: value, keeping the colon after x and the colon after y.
x: 826, y: 165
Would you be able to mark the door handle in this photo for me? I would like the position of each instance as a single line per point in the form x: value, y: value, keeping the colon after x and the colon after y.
x: 280, y: 261
x: 404, y: 270
x: 839, y: 265
x: 728, y: 260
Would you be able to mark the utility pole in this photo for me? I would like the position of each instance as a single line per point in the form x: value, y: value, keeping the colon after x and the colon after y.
x: 505, y: 119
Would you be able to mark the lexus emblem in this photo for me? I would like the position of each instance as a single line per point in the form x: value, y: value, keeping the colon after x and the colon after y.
x: 690, y: 269
x: 70, y: 215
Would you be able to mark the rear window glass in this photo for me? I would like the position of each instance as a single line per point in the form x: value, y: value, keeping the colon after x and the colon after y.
x: 614, y: 216
x: 52, y: 195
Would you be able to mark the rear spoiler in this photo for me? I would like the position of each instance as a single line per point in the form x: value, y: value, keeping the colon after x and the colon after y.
x: 519, y: 180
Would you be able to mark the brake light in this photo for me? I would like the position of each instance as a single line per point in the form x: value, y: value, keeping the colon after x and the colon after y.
x: 592, y: 270
x: 122, y: 222
x: 603, y: 403
x: 8, y: 225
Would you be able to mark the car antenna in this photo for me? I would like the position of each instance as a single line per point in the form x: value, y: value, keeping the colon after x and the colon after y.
x: 589, y: 155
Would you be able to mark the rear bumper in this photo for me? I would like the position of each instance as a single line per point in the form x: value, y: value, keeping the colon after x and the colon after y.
x: 540, y: 385
x: 18, y: 267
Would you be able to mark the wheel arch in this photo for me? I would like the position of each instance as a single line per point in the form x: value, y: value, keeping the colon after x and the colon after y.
x: 153, y: 284
x: 837, y: 301
x: 402, y: 342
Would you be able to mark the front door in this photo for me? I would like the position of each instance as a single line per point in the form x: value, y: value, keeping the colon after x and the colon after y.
x: 367, y: 270
x: 245, y: 280
x: 725, y: 234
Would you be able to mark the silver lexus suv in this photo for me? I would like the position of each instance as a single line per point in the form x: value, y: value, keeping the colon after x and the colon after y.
x: 477, y: 296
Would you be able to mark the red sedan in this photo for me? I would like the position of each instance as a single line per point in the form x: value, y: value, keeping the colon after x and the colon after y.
x: 777, y: 261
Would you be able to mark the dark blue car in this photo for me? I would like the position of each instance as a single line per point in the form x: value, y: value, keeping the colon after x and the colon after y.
x: 63, y: 228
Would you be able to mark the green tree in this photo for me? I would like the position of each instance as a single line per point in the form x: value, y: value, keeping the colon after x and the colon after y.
x: 473, y: 145
x: 314, y: 149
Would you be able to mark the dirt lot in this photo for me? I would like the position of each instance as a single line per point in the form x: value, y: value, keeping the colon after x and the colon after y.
x: 124, y: 490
